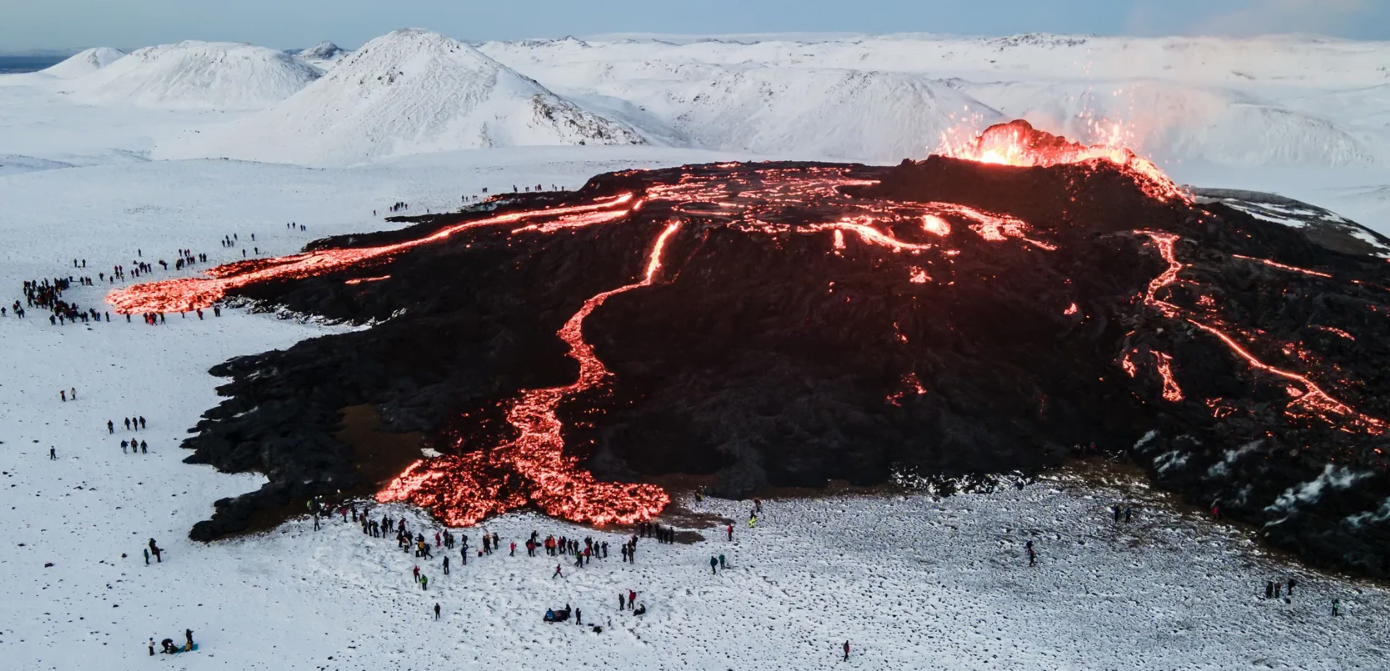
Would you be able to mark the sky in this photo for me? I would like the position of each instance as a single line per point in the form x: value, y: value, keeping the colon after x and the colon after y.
x: 56, y: 24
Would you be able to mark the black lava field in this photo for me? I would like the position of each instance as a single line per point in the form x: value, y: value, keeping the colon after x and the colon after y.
x: 786, y: 324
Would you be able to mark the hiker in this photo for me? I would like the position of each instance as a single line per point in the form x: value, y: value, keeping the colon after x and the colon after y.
x: 144, y: 448
x: 631, y: 599
x: 1116, y: 511
x: 721, y: 563
x: 578, y: 617
x: 622, y: 602
x: 152, y: 647
x: 557, y: 573
x: 1336, y: 607
x: 1032, y: 556
x: 52, y: 454
x: 713, y: 565
x: 1269, y: 589
x: 846, y: 651
x: 730, y: 530
x: 188, y: 634
x: 513, y: 552
x: 111, y: 427
x: 1128, y: 512
x: 1292, y: 582
x: 416, y: 573
x: 436, y: 611
x: 446, y: 564
x: 424, y: 581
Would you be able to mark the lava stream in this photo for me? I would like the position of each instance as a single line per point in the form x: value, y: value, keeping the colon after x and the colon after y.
x: 1312, y: 396
x: 183, y: 295
x: 533, y: 468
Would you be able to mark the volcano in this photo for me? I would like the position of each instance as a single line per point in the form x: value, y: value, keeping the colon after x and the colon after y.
x: 953, y: 320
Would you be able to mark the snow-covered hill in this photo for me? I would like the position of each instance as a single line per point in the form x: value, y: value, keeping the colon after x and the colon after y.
x: 409, y: 92
x: 85, y: 62
x: 323, y: 55
x: 196, y: 75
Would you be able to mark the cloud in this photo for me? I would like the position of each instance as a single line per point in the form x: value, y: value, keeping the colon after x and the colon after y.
x: 1246, y: 18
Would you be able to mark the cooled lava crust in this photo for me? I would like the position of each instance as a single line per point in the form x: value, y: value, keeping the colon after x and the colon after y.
x: 791, y: 323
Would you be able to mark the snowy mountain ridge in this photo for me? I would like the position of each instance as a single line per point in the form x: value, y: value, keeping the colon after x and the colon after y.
x: 85, y: 62
x: 196, y: 75
x: 408, y: 92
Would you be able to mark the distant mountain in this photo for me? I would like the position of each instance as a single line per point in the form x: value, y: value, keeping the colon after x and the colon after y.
x: 408, y: 92
x: 85, y: 62
x: 197, y: 75
x: 323, y: 55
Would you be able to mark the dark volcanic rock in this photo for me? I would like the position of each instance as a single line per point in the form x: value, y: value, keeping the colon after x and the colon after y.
x: 781, y: 345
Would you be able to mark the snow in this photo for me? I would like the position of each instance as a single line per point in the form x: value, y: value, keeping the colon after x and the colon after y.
x: 196, y: 75
x: 85, y: 62
x: 408, y: 92
x: 323, y: 55
x: 911, y: 581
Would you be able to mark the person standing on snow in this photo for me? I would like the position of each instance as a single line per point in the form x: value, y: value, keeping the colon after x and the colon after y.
x: 52, y: 454
x: 846, y: 651
x: 436, y: 611
x: 557, y: 573
x: 111, y: 430
x: 713, y: 565
x: 424, y: 581
x: 622, y: 602
x: 446, y: 564
x: 730, y: 530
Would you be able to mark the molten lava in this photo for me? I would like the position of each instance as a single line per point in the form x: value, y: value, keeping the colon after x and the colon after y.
x: 464, y: 490
x: 1017, y: 143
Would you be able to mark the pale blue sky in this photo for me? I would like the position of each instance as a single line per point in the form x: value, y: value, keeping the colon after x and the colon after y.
x: 28, y: 24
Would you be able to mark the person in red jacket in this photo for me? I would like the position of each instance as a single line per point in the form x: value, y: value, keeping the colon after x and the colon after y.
x: 846, y: 651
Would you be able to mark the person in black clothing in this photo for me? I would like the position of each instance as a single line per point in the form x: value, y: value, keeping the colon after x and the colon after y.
x: 436, y: 611
x: 188, y: 634
x: 446, y: 564
x: 1269, y: 589
x: 1292, y: 582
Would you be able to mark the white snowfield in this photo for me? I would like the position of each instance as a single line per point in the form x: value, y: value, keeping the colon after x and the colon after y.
x: 409, y: 92
x: 196, y: 75
x: 910, y: 582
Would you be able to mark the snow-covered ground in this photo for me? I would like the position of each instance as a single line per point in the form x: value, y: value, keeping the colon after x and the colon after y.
x: 911, y: 582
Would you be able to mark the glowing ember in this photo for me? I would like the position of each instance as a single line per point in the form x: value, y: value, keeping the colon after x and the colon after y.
x: 919, y: 276
x: 1171, y: 392
x: 936, y: 225
x: 1017, y: 143
x: 911, y: 385
x: 360, y: 280
x: 1071, y: 310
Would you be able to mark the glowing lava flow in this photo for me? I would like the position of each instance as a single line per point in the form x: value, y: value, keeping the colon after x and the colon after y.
x: 1311, y: 396
x: 466, y: 489
x: 1017, y: 143
x: 1281, y: 266
x: 182, y: 295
